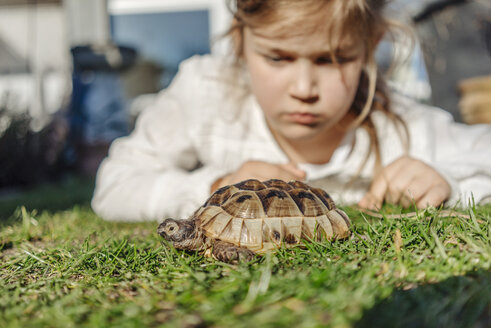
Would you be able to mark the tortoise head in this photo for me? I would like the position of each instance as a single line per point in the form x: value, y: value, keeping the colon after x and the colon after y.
x: 183, y: 234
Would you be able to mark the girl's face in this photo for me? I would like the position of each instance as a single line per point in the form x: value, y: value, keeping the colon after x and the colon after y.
x: 302, y: 93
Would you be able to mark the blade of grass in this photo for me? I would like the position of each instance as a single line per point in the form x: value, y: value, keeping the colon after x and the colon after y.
x: 439, y: 245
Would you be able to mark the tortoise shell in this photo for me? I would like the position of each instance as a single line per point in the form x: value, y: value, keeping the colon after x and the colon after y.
x: 265, y: 215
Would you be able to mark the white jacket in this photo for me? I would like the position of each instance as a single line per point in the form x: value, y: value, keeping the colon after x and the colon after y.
x: 206, y: 124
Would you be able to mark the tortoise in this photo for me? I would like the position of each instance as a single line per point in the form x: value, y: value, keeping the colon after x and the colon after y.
x: 253, y: 217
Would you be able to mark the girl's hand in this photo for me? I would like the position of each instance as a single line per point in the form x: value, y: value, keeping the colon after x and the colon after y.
x: 406, y: 181
x: 261, y: 171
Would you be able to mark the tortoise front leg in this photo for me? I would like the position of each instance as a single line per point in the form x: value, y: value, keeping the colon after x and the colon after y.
x: 229, y: 253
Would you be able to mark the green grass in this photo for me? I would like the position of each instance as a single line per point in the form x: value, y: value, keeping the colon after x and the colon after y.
x: 48, y: 197
x: 66, y: 267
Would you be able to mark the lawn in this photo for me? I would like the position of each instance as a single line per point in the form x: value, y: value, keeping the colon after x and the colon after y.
x: 62, y: 266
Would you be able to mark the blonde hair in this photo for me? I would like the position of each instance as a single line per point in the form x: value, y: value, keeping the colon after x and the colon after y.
x: 361, y: 20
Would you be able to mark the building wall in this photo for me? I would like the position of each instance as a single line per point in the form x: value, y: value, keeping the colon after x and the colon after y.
x: 36, y: 33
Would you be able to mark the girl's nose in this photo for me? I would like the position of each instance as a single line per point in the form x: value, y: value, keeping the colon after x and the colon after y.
x: 303, y: 86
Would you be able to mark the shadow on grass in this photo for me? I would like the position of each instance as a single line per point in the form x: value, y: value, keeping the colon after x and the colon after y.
x: 52, y: 197
x: 460, y: 301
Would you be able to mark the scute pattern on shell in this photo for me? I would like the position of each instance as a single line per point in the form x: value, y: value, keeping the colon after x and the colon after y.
x: 265, y: 215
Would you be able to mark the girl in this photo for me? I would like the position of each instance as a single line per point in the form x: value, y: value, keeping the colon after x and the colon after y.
x: 300, y: 100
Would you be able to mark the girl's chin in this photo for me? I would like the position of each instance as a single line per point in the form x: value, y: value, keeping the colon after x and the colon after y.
x: 299, y: 132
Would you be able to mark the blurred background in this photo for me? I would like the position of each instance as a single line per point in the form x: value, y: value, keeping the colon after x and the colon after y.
x: 75, y: 74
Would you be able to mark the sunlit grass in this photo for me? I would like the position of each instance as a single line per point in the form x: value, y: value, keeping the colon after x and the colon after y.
x: 63, y: 268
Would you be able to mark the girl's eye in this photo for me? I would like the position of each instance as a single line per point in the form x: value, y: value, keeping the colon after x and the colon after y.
x: 323, y: 60
x: 277, y: 59
x: 329, y: 60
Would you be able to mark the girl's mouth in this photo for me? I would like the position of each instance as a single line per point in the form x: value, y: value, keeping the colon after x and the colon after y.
x: 303, y: 118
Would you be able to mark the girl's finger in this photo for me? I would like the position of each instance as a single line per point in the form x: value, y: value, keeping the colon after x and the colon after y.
x: 387, y: 185
x: 294, y: 171
x: 434, y: 197
x: 369, y: 202
x: 396, y: 191
x: 407, y: 199
x: 405, y: 183
x: 415, y: 190
x: 374, y: 198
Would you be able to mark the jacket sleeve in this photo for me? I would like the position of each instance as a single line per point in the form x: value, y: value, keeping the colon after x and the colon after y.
x: 151, y: 175
x: 460, y: 153
x: 463, y: 157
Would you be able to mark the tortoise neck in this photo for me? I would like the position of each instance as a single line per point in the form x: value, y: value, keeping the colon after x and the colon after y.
x: 198, y: 238
x: 196, y: 241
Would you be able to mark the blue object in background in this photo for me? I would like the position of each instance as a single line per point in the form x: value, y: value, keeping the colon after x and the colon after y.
x: 165, y: 38
x: 97, y: 110
x: 102, y: 107
x: 97, y: 114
